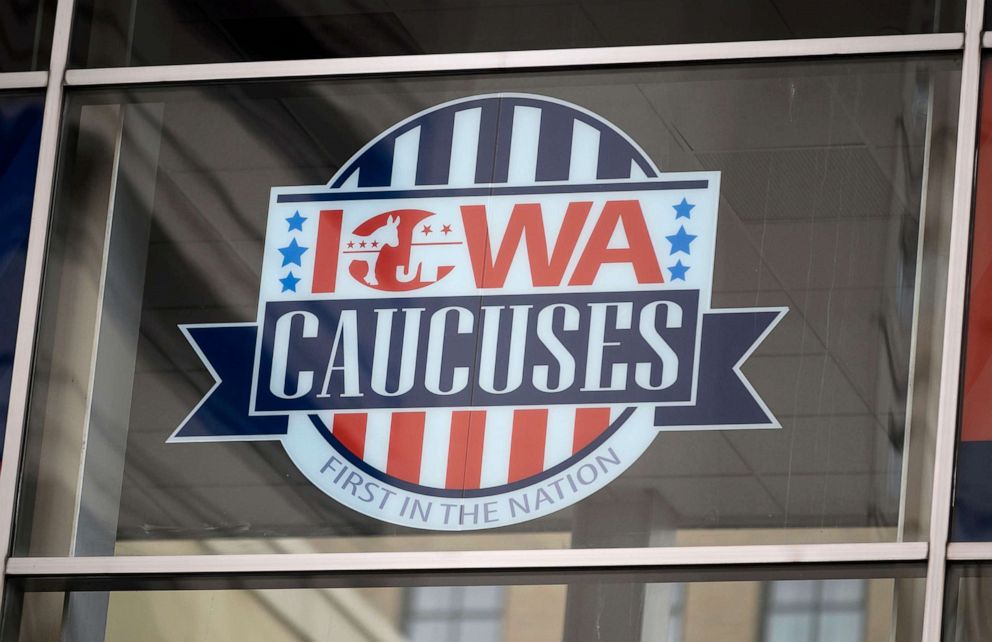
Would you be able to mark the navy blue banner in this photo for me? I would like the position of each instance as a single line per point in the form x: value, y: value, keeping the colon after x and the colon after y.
x: 229, y: 352
x: 504, y: 350
x: 723, y: 396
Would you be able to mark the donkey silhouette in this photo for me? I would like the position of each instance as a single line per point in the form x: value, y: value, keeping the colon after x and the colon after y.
x: 386, y: 235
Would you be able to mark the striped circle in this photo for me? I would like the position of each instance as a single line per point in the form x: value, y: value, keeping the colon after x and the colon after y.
x: 497, y: 139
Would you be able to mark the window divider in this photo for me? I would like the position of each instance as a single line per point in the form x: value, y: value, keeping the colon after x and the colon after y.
x: 954, y: 308
x: 536, y: 59
x: 44, y: 187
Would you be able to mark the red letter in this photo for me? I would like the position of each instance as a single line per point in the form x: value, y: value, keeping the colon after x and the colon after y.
x: 325, y: 269
x: 527, y: 223
x: 639, y: 251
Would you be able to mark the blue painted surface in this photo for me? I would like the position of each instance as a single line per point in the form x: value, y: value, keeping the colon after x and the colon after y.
x: 20, y: 133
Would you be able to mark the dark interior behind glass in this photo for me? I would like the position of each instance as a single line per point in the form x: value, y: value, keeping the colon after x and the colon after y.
x: 26, y: 34
x: 112, y: 33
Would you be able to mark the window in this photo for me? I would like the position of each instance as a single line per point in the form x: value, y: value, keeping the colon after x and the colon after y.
x: 973, y: 493
x: 111, y: 33
x: 433, y: 320
x: 532, y: 607
x: 832, y: 236
x: 26, y: 34
x: 452, y: 613
x: 966, y: 618
x: 815, y: 611
x: 20, y: 128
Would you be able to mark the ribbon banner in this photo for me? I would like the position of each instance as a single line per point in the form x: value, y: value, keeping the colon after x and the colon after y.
x: 725, y: 399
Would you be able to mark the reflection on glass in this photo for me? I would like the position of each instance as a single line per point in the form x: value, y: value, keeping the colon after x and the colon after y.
x: 160, y: 219
x: 600, y: 610
x: 20, y: 135
x: 967, y: 617
x: 110, y: 33
x: 815, y: 611
x: 972, y: 516
x: 26, y: 34
x: 453, y: 613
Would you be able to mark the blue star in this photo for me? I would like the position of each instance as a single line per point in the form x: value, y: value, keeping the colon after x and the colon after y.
x: 289, y: 282
x: 680, y: 241
x: 678, y: 271
x: 292, y: 253
x: 296, y: 221
x: 682, y: 210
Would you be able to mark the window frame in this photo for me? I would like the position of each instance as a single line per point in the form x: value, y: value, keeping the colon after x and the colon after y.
x: 935, y: 552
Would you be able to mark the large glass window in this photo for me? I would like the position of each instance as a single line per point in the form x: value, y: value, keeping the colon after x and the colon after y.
x: 26, y: 34
x: 112, y: 33
x: 452, y: 613
x: 596, y: 607
x: 439, y: 339
x: 833, y: 204
x: 815, y: 611
x: 972, y: 517
x: 966, y: 613
x: 20, y: 131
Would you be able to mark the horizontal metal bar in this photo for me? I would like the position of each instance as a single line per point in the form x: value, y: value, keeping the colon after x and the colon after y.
x: 519, y: 59
x: 159, y: 565
x: 463, y: 577
x: 969, y: 551
x: 24, y: 80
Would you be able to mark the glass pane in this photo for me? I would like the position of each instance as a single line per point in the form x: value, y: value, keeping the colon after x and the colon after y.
x: 112, y: 33
x: 799, y: 592
x: 26, y: 41
x: 841, y: 626
x: 967, y: 617
x: 816, y: 610
x: 428, y: 631
x: 972, y: 516
x: 480, y: 631
x: 592, y: 609
x: 782, y: 200
x: 789, y: 627
x: 841, y: 592
x: 20, y: 133
x: 482, y: 598
x: 428, y: 599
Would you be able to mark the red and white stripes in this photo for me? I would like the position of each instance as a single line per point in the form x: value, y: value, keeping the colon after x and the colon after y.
x: 467, y: 449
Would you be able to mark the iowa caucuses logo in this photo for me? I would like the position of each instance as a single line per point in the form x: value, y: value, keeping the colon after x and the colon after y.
x: 487, y: 315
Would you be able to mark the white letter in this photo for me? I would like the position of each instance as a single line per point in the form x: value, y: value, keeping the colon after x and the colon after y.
x: 345, y: 337
x: 435, y: 348
x: 566, y: 362
x: 669, y: 360
x: 408, y: 351
x: 597, y: 343
x: 280, y: 355
x: 490, y: 336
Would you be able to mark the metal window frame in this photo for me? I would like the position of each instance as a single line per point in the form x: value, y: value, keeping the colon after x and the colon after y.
x: 954, y: 314
x: 935, y: 552
x: 24, y: 80
x: 502, y: 60
x: 33, y: 269
x: 969, y: 551
x: 426, y: 561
